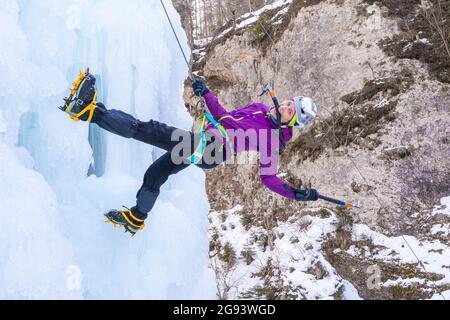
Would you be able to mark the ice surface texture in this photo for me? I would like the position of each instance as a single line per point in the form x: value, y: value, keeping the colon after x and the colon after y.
x: 53, y: 242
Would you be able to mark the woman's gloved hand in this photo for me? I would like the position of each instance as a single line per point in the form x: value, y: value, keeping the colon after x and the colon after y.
x: 304, y: 194
x: 307, y: 195
x: 200, y: 88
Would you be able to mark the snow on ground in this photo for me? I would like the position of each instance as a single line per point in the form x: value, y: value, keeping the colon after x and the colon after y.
x: 250, y: 18
x: 443, y: 208
x: 296, y: 253
x: 272, y: 6
x: 202, y: 42
x: 434, y: 255
x: 443, y: 229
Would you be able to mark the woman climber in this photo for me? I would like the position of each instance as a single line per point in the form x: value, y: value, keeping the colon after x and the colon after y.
x: 220, y: 140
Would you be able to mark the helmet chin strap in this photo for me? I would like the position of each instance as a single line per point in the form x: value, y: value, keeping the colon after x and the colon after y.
x: 284, y: 124
x: 288, y: 124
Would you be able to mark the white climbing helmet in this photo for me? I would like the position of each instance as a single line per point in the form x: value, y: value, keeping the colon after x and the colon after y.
x: 306, y: 111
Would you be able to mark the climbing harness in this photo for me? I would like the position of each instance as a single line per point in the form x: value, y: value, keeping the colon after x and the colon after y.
x: 73, y: 101
x: 197, y: 156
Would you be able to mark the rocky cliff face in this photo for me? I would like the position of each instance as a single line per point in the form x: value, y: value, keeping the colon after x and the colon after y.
x: 379, y: 73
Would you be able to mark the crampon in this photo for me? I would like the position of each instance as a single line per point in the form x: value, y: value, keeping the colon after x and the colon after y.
x: 125, y: 219
x: 81, y: 102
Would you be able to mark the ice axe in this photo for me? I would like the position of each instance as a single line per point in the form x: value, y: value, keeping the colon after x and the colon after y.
x: 267, y: 89
x: 305, y: 192
x: 339, y: 202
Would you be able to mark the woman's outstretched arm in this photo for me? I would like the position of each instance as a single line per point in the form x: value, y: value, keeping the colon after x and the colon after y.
x: 277, y: 185
x: 268, y: 167
x: 214, y: 106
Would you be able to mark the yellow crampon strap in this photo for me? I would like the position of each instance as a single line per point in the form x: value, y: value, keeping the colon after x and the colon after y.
x: 73, y: 91
x: 90, y: 108
x: 129, y: 221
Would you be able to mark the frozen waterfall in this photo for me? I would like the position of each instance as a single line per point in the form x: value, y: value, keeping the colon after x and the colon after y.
x: 57, y: 177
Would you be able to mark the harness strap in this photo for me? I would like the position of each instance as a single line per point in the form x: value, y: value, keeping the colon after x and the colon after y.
x: 90, y: 108
x: 196, y: 157
x: 223, y: 132
x: 200, y: 149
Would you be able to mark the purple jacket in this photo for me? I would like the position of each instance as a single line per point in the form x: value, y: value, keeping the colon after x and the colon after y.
x: 251, y: 129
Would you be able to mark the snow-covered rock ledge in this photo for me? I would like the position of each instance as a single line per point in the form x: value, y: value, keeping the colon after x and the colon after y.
x: 321, y: 254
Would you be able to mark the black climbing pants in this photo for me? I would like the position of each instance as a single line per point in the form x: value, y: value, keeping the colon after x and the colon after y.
x: 159, y: 135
